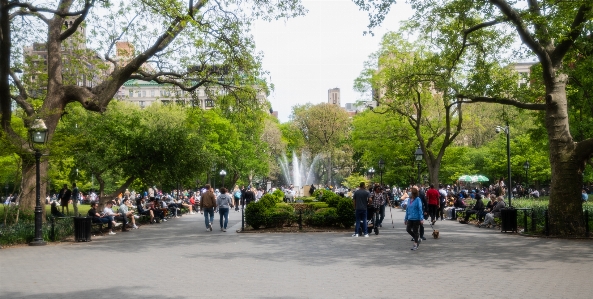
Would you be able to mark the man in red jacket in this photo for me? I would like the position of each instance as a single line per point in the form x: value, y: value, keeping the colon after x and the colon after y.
x: 433, y: 202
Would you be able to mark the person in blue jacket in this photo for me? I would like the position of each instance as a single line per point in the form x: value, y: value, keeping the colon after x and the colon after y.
x: 414, y: 217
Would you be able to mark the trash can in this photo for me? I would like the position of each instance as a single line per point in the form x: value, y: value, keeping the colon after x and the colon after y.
x: 508, y: 216
x: 82, y: 229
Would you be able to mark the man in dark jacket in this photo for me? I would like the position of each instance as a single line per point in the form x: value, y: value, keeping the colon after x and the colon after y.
x: 477, y: 209
x: 207, y: 206
x: 64, y: 198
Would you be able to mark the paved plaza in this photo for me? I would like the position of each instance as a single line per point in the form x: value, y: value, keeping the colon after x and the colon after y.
x: 179, y: 259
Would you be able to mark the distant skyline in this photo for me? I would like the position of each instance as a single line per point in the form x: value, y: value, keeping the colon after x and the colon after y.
x: 325, y: 49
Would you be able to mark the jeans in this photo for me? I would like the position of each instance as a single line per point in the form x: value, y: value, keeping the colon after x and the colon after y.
x: 361, y: 215
x: 208, y: 212
x: 382, y: 214
x: 103, y: 221
x: 224, y: 213
x: 412, y: 229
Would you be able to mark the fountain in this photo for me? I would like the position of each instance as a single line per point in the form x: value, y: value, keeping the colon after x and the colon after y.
x: 301, y: 172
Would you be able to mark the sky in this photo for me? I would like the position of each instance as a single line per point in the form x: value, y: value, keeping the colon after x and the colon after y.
x: 324, y: 49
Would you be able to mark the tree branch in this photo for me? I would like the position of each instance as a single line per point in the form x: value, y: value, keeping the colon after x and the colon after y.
x: 33, y: 8
x: 584, y: 149
x: 21, y: 98
x: 510, y: 102
x: 576, y: 27
x: 78, y: 21
x: 28, y: 13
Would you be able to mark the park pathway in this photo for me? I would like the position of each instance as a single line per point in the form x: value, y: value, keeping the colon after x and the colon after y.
x: 179, y: 259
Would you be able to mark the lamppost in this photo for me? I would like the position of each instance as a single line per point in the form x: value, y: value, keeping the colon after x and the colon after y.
x: 419, y: 155
x: 38, y: 134
x: 371, y: 172
x: 222, y: 174
x: 381, y: 167
x: 526, y: 167
x: 507, y: 131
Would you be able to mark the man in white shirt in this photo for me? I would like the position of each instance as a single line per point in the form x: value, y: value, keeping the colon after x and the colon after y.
x: 108, y: 212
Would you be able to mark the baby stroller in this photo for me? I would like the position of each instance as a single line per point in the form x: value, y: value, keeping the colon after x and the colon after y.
x: 370, y: 221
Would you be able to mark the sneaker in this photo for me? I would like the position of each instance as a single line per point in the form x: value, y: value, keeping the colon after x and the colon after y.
x: 221, y: 229
x: 135, y: 226
x: 207, y: 229
x: 422, y: 238
x: 165, y: 220
x: 136, y: 217
x: 210, y: 226
x: 117, y: 224
x: 192, y: 213
x: 414, y: 248
x: 355, y: 235
x: 111, y: 233
x: 224, y: 230
x: 366, y: 235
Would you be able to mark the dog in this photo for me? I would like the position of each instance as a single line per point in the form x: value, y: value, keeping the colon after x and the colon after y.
x: 435, y: 233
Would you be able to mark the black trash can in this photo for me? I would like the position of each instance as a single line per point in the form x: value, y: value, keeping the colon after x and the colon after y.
x: 82, y: 229
x: 508, y: 216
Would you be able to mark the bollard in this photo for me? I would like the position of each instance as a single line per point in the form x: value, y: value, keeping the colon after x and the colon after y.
x: 587, y: 223
x: 533, y: 221
x: 546, y: 229
x: 53, y: 229
x: 524, y: 221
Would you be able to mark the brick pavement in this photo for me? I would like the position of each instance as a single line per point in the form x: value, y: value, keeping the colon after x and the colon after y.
x: 179, y: 259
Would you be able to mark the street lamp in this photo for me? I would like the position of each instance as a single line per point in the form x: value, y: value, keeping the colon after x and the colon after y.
x: 222, y: 174
x: 419, y: 155
x: 38, y: 134
x: 371, y: 172
x: 507, y: 131
x: 381, y: 167
x: 526, y: 167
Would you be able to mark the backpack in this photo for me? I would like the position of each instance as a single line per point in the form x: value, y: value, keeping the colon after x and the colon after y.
x: 237, y: 194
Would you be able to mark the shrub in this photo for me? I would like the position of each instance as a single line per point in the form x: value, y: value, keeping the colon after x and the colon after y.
x: 268, y: 201
x: 324, y: 217
x: 255, y: 214
x: 279, y: 195
x: 323, y: 195
x: 345, y: 211
x: 277, y: 217
x: 332, y: 200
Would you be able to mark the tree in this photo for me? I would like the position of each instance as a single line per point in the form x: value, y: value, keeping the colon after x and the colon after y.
x: 203, y: 45
x: 418, y: 80
x: 324, y: 127
x: 548, y: 31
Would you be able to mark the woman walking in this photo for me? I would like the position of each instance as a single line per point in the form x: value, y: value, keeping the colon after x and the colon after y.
x: 224, y: 203
x: 414, y: 217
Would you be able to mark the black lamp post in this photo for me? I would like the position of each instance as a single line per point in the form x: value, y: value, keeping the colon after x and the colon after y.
x: 419, y: 155
x: 381, y: 168
x: 526, y: 167
x: 38, y: 134
x: 371, y: 172
x: 507, y: 131
x: 222, y: 174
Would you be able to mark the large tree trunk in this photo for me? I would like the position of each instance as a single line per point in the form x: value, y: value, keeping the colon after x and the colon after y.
x: 27, y: 199
x: 434, y: 167
x: 565, y: 208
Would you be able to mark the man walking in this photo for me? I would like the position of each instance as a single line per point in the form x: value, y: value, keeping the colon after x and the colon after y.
x: 360, y: 200
x: 207, y: 205
x: 75, y: 194
x: 433, y: 203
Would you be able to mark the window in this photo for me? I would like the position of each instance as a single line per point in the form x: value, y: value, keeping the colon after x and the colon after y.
x: 141, y: 104
x: 131, y: 93
x: 144, y: 93
x: 209, y: 103
x: 152, y: 93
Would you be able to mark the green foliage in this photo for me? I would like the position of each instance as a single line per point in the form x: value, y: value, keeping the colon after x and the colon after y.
x: 345, y: 212
x: 268, y: 200
x: 354, y: 180
x: 255, y: 214
x: 324, y: 217
x: 279, y: 195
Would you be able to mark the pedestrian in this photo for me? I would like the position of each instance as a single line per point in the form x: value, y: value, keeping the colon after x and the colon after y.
x: 207, y: 205
x: 224, y: 202
x: 378, y: 199
x: 64, y: 198
x: 361, y: 199
x: 75, y: 195
x: 414, y: 217
x: 433, y: 203
x: 237, y: 197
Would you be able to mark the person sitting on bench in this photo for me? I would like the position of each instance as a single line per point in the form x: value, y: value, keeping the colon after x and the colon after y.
x: 54, y: 210
x: 108, y: 212
x: 125, y: 212
x: 99, y: 218
x: 477, y: 209
x: 142, y: 210
x: 489, y: 219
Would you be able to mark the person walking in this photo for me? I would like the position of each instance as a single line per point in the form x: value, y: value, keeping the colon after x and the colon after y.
x: 75, y: 195
x: 207, y: 205
x: 64, y: 198
x: 414, y: 217
x: 224, y: 203
x: 433, y: 203
x: 360, y: 200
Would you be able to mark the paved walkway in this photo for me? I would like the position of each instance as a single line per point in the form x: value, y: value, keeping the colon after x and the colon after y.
x: 179, y: 259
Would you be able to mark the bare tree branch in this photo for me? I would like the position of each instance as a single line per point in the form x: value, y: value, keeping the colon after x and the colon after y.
x: 78, y: 21
x: 20, y: 99
x: 33, y: 8
x: 29, y: 13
